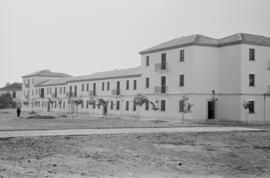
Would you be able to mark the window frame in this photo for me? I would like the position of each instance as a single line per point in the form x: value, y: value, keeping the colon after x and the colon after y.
x: 163, y: 105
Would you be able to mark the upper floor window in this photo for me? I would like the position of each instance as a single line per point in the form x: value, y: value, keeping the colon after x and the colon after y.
x: 87, y: 87
x: 147, y: 82
x: 135, y: 84
x: 83, y: 87
x: 181, y: 80
x: 32, y: 81
x: 111, y: 105
x: 251, y: 80
x: 147, y: 61
x: 182, y: 55
x: 251, y: 107
x: 251, y: 54
x: 127, y: 85
x: 163, y: 57
x: 64, y: 90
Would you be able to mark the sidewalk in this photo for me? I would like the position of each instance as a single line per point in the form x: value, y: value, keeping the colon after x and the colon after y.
x: 34, y: 133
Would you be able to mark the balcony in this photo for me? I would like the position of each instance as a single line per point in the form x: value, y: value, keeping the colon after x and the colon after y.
x: 115, y: 92
x: 161, y: 67
x: 162, y: 89
x: 26, y: 85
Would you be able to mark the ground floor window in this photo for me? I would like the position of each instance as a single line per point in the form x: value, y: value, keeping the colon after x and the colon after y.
x: 127, y: 105
x: 181, y: 106
x: 82, y: 103
x: 117, y: 105
x: 134, y: 106
x: 251, y: 107
x: 64, y: 105
x: 94, y: 104
x: 147, y: 105
x: 111, y: 105
x: 163, y: 105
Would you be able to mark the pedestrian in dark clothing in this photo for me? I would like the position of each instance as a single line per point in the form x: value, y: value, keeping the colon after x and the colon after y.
x: 18, y: 112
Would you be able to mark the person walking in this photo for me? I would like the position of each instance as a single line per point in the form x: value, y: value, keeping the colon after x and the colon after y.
x: 18, y: 111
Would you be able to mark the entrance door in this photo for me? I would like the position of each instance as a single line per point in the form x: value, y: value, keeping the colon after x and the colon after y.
x: 211, y: 110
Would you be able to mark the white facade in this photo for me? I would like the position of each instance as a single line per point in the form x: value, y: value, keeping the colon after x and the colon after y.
x: 208, y: 66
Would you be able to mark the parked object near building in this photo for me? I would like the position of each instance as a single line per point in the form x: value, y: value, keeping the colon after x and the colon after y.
x: 216, y: 74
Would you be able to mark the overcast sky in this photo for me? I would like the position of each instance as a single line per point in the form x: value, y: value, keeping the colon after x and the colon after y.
x: 79, y: 37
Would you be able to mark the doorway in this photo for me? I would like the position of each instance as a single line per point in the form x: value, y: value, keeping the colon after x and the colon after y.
x: 211, y: 110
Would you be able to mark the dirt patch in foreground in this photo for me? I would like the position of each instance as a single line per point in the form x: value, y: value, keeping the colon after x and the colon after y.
x: 236, y: 154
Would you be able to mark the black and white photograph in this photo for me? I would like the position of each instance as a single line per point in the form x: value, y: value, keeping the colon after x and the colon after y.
x: 135, y: 88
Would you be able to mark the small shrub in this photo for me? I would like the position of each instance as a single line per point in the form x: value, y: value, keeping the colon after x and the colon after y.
x: 41, y: 117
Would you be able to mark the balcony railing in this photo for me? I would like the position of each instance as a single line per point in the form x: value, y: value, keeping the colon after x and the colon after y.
x: 161, y: 67
x: 162, y: 89
x: 26, y: 85
x: 115, y: 92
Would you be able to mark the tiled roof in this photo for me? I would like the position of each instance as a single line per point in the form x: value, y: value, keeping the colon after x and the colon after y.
x: 47, y: 73
x: 12, y: 87
x: 121, y: 73
x: 207, y: 41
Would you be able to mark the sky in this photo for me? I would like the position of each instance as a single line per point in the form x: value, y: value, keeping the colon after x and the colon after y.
x: 79, y: 37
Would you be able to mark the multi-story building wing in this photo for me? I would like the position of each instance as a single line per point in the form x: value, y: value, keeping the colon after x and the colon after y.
x: 218, y: 76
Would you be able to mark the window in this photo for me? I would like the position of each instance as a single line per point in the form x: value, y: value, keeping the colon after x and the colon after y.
x: 94, y: 88
x: 111, y: 105
x: 87, y: 87
x: 83, y: 87
x: 163, y: 61
x: 87, y: 104
x: 251, y: 107
x: 75, y: 91
x: 134, y: 84
x: 103, y: 86
x: 147, y: 105
x: 251, y: 54
x: 127, y: 85
x: 60, y: 90
x: 182, y: 55
x: 181, y: 80
x: 63, y: 105
x: 251, y: 80
x: 108, y: 85
x: 14, y: 94
x: 147, y: 82
x: 127, y: 105
x: 47, y: 90
x: 94, y: 105
x: 50, y: 90
x: 163, y: 105
x: 181, y: 106
x: 82, y: 103
x: 117, y: 105
x: 134, y: 106
x: 64, y: 90
x: 147, y: 61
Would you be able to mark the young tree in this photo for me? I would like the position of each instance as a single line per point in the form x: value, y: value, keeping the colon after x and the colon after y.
x: 186, y: 107
x: 246, y: 107
x: 104, y: 104
x: 140, y: 99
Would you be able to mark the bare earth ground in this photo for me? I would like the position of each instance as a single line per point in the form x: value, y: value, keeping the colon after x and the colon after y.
x: 235, y: 154
x: 211, y: 154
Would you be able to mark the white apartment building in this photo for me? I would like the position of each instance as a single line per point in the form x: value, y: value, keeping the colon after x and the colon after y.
x: 217, y: 75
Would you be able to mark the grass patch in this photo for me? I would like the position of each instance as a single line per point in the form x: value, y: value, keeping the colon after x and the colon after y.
x: 41, y: 117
